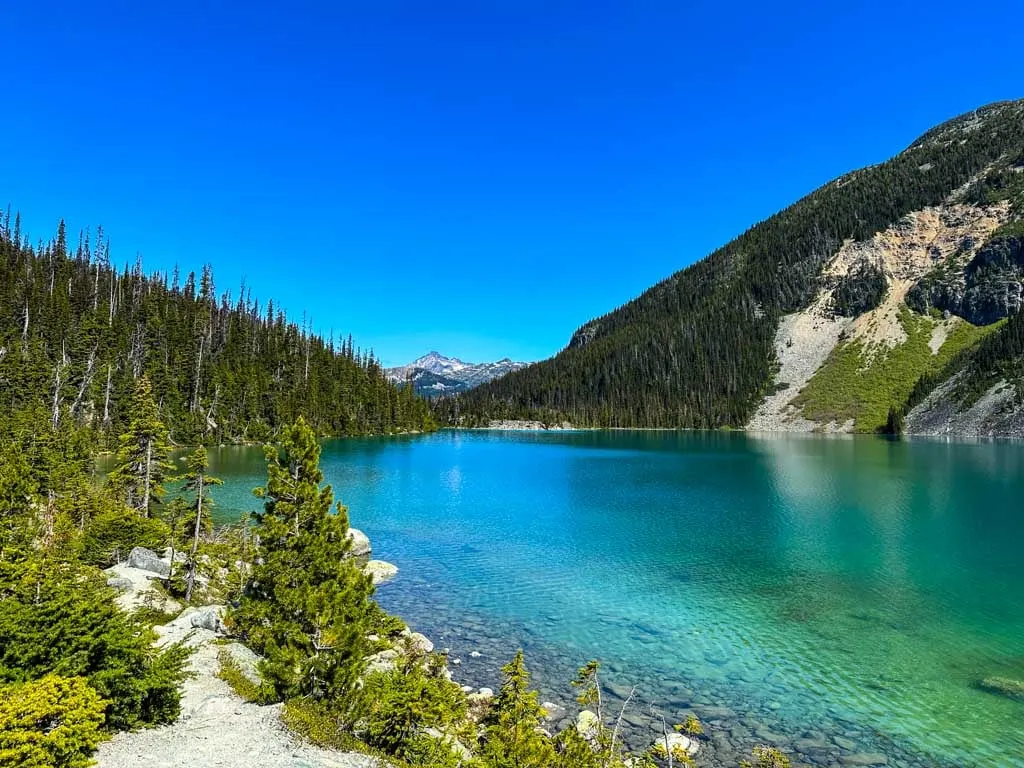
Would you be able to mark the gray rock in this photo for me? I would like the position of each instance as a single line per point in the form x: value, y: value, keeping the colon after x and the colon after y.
x: 421, y: 643
x: 384, y: 661
x: 864, y: 758
x: 120, y: 584
x: 246, y: 661
x: 209, y: 617
x: 360, y: 543
x: 148, y: 560
x: 678, y: 744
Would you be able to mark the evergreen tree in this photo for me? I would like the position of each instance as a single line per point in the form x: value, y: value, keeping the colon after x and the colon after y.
x: 307, y: 607
x: 143, y: 453
x: 198, y: 483
x: 513, y: 738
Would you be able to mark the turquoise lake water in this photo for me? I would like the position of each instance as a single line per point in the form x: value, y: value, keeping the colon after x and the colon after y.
x: 783, y: 587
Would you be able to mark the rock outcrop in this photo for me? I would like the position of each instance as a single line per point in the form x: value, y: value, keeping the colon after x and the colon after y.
x: 148, y: 560
x: 360, y: 543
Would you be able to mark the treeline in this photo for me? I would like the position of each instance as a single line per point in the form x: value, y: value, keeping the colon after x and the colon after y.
x: 696, y: 350
x: 78, y: 333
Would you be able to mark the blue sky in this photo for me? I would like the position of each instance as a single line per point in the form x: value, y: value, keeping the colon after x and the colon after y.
x: 475, y: 177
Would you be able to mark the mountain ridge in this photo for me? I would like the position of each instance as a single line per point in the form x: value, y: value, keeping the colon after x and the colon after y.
x: 435, y: 374
x: 700, y: 348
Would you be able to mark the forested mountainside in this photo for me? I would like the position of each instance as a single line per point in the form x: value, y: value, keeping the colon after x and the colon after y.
x: 77, y: 334
x: 702, y: 348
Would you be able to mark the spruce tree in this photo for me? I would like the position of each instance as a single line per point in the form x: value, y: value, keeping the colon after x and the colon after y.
x: 307, y: 606
x: 513, y: 738
x: 142, y: 457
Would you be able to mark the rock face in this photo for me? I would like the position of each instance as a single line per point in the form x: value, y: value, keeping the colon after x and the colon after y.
x: 997, y: 413
x: 987, y: 288
x: 360, y: 543
x: 148, y: 560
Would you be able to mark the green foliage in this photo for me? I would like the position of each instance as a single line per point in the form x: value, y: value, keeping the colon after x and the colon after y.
x: 696, y: 350
x: 53, y: 722
x: 230, y: 673
x: 512, y: 738
x: 61, y: 618
x: 112, y: 533
x: 860, y: 291
x: 861, y: 384
x: 767, y: 757
x: 222, y: 368
x: 307, y: 605
x: 691, y: 726
x: 999, y: 357
x: 142, y: 454
x: 405, y: 702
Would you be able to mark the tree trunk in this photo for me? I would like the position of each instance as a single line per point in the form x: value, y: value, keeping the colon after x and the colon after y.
x: 149, y: 470
x: 106, y: 400
x: 195, y: 539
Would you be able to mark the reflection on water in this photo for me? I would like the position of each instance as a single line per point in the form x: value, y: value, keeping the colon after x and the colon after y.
x: 836, y: 586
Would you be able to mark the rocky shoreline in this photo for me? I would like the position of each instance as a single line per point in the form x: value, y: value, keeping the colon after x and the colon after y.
x: 219, y: 728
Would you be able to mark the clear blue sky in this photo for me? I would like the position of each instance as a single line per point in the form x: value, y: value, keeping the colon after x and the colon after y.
x: 477, y: 177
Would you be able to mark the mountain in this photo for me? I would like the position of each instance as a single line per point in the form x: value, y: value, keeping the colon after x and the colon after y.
x: 77, y: 333
x: 435, y: 374
x: 842, y: 312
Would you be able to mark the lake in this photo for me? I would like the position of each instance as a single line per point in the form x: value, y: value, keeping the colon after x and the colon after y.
x: 839, y: 596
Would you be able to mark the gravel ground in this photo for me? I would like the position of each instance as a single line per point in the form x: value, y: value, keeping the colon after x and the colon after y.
x: 217, y: 728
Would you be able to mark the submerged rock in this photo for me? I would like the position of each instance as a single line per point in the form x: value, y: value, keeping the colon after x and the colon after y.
x: 1004, y: 686
x: 380, y: 571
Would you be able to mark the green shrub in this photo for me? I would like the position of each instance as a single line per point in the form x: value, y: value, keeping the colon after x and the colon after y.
x: 404, y: 702
x: 113, y: 533
x: 53, y: 722
x: 231, y: 674
x: 61, y: 619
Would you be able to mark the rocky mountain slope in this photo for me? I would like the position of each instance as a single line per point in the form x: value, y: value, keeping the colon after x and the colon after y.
x: 435, y: 374
x: 839, y: 313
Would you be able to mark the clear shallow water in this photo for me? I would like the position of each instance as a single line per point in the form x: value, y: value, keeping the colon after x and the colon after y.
x: 815, y: 587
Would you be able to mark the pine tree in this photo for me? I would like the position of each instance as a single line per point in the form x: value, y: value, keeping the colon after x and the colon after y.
x: 143, y: 453
x: 513, y: 738
x: 307, y: 606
